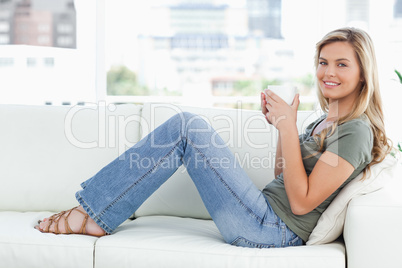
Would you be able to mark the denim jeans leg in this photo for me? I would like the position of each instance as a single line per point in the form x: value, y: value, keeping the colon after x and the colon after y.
x: 118, y: 189
x: 237, y: 206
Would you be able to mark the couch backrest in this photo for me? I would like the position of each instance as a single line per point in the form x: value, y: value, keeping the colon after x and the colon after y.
x: 247, y: 133
x: 47, y: 151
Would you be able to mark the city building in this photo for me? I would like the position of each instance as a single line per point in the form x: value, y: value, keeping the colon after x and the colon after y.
x: 265, y: 18
x: 398, y: 9
x: 358, y: 11
x: 201, y: 49
x: 38, y: 23
x: 6, y: 22
x: 38, y: 47
x: 42, y: 75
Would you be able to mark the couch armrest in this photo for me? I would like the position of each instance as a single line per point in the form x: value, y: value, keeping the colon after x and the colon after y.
x: 373, y: 228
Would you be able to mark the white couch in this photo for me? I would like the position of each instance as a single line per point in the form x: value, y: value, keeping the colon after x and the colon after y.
x: 47, y: 151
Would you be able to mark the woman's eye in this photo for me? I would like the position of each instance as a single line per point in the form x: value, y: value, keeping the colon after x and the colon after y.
x: 341, y: 65
x: 322, y: 63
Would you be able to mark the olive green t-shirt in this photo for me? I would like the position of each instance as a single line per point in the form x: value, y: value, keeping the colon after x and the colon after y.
x: 352, y: 141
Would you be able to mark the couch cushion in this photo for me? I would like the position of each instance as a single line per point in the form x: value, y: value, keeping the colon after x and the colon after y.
x: 163, y: 241
x: 23, y: 246
x: 330, y: 225
x: 247, y: 134
x: 47, y: 151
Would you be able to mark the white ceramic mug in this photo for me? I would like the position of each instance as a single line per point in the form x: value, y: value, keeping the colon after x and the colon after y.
x: 287, y: 93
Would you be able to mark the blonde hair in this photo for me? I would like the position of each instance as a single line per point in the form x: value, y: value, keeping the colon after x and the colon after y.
x: 369, y: 100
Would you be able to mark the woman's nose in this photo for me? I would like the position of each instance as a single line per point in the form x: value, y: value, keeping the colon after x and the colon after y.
x: 330, y: 71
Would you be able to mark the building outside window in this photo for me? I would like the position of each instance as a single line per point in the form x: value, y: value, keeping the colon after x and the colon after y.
x: 217, y: 52
x: 39, y: 53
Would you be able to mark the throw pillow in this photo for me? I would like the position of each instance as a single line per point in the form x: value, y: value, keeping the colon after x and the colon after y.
x: 330, y: 225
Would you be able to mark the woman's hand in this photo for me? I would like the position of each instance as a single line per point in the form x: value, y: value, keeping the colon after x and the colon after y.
x: 264, y: 109
x: 277, y: 111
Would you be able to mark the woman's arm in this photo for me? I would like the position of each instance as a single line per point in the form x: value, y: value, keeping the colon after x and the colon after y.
x: 304, y: 192
x: 279, y: 163
x: 307, y: 192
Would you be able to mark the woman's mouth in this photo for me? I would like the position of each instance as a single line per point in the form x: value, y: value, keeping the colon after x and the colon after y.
x: 331, y: 84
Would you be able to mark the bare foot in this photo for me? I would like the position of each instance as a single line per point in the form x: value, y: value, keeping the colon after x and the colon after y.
x: 73, y: 221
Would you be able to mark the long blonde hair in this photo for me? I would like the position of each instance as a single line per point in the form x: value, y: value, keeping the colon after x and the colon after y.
x: 369, y: 100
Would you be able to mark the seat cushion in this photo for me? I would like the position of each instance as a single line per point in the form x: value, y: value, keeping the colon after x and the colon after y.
x: 167, y: 241
x: 23, y: 246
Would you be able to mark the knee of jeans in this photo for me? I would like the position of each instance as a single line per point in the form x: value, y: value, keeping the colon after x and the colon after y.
x: 187, y: 116
x: 192, y: 121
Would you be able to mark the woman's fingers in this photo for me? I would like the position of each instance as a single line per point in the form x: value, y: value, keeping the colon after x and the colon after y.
x: 296, y: 101
x: 264, y: 107
x: 271, y: 96
x: 262, y: 100
x: 263, y: 103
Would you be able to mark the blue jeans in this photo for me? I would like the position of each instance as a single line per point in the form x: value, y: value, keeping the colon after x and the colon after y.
x: 239, y: 209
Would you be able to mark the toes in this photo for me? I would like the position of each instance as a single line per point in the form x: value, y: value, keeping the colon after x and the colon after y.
x: 44, y: 220
x: 44, y: 226
x: 41, y: 225
x: 40, y: 228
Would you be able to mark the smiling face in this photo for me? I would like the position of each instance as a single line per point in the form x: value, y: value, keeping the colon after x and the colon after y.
x: 338, y: 73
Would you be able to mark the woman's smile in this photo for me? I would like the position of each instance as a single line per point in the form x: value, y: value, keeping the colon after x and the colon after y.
x: 331, y: 84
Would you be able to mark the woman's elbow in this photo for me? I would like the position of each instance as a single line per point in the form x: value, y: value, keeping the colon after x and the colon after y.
x: 299, y: 210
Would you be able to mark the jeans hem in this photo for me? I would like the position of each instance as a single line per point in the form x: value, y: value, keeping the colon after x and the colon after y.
x: 91, y: 214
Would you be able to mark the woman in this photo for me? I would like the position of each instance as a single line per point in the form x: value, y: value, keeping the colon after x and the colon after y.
x: 310, y: 169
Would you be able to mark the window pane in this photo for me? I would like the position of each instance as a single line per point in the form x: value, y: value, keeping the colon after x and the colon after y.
x: 38, y: 22
x: 217, y: 51
x: 40, y: 59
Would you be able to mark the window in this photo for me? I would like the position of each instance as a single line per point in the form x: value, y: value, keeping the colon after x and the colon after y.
x: 48, y: 62
x: 4, y: 14
x: 44, y: 40
x: 4, y: 39
x: 398, y: 9
x: 6, y: 62
x: 65, y: 28
x: 215, y: 52
x: 39, y: 44
x: 64, y: 41
x: 31, y: 62
x: 4, y: 26
x: 209, y: 52
x: 44, y: 28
